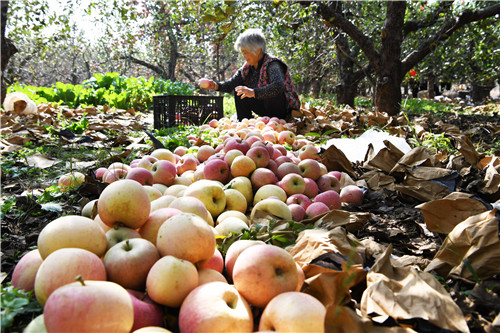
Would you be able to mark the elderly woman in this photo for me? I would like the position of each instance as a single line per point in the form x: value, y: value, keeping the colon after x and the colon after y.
x: 263, y: 85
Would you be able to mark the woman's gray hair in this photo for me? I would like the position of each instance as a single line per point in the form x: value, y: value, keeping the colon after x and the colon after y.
x: 251, y: 40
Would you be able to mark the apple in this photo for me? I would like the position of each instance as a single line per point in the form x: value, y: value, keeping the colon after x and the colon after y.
x: 162, y: 202
x: 234, y: 251
x: 351, y: 194
x: 233, y: 213
x: 186, y: 236
x: 328, y: 182
x: 286, y: 137
x: 330, y: 198
x: 236, y: 143
x: 293, y: 184
x: 181, y: 180
x: 90, y: 209
x: 215, y: 307
x: 217, y: 169
x: 205, y: 152
x: 194, y: 206
x: 311, y: 189
x: 118, y: 234
x: 71, y: 180
x: 124, y: 201
x: 229, y: 226
x: 293, y: 312
x: 300, y: 199
x: 176, y: 190
x: 261, y: 177
x: 316, y: 208
x: 186, y: 163
x: 235, y: 200
x: 180, y: 150
x: 262, y: 272
x: 97, y: 220
x: 253, y: 139
x: 153, y: 192
x: 62, y: 267
x: 309, y: 169
x: 205, y: 84
x: 273, y: 166
x: 146, y: 312
x: 216, y: 262
x: 282, y: 159
x: 141, y: 175
x: 274, y: 207
x: 267, y: 145
x: 163, y: 154
x: 287, y: 168
x: 164, y: 172
x: 207, y: 275
x: 210, y: 193
x: 242, y: 166
x: 337, y: 174
x: 100, y: 172
x: 128, y: 262
x: 152, y: 329
x: 260, y: 155
x: 114, y: 175
x: 36, y: 325
x: 269, y: 190
x: 324, y: 169
x: 199, y: 173
x: 25, y: 271
x: 214, y: 123
x: 231, y: 155
x: 308, y: 151
x: 170, y: 280
x: 144, y: 163
x: 298, y: 212
x: 72, y: 231
x: 149, y: 230
x: 242, y: 184
x: 89, y: 306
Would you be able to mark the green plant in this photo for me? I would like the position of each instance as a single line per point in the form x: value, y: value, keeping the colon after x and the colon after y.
x: 16, y: 302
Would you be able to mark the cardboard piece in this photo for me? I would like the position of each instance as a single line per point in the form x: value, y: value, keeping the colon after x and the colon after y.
x: 442, y: 215
x: 472, y: 247
x: 406, y: 294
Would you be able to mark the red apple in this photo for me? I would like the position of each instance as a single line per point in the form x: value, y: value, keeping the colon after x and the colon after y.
x: 259, y: 155
x: 235, y: 250
x: 287, y: 168
x: 262, y: 272
x: 215, y: 263
x: 298, y: 212
x: 141, y: 175
x: 316, y: 208
x: 329, y: 198
x: 293, y: 184
x: 237, y: 143
x: 311, y: 189
x: 164, y: 172
x: 146, y: 311
x: 328, y: 182
x: 204, y: 152
x: 300, y: 199
x: 351, y: 194
x: 25, y: 271
x: 261, y: 177
x: 89, y: 306
x: 217, y: 169
x: 310, y: 169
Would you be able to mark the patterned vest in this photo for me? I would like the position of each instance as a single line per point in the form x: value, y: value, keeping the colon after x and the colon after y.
x: 292, y: 98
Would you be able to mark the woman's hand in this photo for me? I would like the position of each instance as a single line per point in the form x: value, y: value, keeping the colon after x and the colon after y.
x: 244, y: 92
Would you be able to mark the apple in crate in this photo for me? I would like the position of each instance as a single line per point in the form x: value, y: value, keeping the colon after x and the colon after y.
x: 215, y: 307
x: 262, y: 272
x: 293, y: 312
x: 89, y: 306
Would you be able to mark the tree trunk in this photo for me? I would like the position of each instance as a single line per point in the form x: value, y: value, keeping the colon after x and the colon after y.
x: 347, y: 88
x: 388, y: 70
x: 8, y: 49
x: 430, y: 86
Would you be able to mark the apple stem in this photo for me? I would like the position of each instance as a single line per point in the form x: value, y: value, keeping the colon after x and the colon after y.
x: 127, y: 246
x: 80, y: 279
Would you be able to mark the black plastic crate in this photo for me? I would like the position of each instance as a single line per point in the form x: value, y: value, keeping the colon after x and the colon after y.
x: 174, y: 110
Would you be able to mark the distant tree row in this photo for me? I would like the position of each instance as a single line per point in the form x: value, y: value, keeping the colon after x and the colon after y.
x: 331, y: 46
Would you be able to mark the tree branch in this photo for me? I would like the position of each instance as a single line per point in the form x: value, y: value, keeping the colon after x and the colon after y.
x: 338, y: 20
x: 445, y: 32
x: 415, y: 25
x: 154, y: 68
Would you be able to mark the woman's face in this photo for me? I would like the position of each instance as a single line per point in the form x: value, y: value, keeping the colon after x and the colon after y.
x: 252, y: 58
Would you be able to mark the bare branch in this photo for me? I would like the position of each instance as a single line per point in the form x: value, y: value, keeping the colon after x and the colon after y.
x: 154, y: 68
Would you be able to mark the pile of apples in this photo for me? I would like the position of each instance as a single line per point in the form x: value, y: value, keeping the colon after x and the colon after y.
x: 151, y: 248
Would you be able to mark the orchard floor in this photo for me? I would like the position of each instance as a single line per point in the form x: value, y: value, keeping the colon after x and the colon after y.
x: 396, y: 221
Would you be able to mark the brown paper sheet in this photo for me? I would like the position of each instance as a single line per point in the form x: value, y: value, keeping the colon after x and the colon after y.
x: 404, y: 293
x: 442, y: 215
x: 474, y: 241
x: 385, y: 159
x: 334, y: 159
